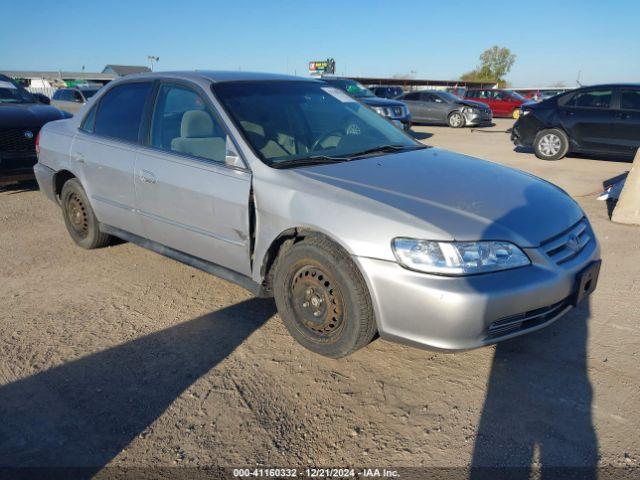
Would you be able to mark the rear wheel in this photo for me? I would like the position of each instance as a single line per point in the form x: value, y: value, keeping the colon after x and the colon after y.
x: 456, y: 120
x: 323, y: 299
x: 551, y: 144
x: 81, y: 222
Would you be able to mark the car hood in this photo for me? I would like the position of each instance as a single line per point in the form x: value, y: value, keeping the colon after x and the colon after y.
x: 380, y: 102
x: 453, y: 196
x: 472, y: 103
x: 23, y: 115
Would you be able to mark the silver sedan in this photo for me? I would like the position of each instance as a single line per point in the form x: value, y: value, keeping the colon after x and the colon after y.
x: 292, y: 189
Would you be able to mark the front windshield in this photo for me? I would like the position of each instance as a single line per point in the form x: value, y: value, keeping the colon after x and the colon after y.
x: 449, y: 97
x: 296, y: 121
x: 10, y: 93
x: 353, y: 88
x: 516, y: 95
x: 88, y: 93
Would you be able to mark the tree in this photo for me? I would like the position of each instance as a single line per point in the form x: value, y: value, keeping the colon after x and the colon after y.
x: 495, y: 64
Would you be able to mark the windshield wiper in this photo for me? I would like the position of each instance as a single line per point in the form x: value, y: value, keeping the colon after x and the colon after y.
x: 385, y: 149
x: 313, y: 160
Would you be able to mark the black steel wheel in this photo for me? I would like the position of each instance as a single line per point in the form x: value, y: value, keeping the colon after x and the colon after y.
x: 322, y: 297
x: 316, y: 302
x: 81, y: 222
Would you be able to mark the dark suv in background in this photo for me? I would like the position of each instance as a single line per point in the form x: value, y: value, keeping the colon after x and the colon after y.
x: 393, y: 110
x: 602, y: 119
x: 22, y: 114
x: 387, y: 91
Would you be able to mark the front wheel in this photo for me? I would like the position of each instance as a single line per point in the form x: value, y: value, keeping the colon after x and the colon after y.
x: 322, y: 298
x: 551, y: 144
x: 81, y: 222
x: 456, y: 120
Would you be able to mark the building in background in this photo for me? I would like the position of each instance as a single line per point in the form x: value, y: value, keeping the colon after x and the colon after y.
x: 123, y: 70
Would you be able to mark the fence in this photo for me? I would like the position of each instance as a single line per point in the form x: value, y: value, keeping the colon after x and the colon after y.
x: 48, y: 91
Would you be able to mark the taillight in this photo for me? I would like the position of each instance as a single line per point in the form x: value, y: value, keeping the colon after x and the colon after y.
x: 38, y: 143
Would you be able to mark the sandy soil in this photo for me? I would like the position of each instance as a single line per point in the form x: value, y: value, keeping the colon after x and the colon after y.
x: 122, y: 357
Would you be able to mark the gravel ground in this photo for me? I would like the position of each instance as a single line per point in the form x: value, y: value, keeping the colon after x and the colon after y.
x: 121, y: 357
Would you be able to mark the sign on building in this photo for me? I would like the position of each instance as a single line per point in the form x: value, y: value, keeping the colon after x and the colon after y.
x: 322, y: 66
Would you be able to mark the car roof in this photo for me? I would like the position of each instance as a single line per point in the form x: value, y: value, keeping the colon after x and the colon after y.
x: 221, y: 76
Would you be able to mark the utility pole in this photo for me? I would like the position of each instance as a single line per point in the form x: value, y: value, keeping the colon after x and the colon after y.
x: 152, y: 59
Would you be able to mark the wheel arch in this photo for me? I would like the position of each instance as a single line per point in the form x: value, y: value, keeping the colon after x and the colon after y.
x: 60, y: 178
x: 282, y: 242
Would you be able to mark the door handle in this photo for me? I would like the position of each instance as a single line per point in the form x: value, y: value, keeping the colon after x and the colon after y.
x: 78, y: 157
x: 147, y: 177
x: 622, y: 116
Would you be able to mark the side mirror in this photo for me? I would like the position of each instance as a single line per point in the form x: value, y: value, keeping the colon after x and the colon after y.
x: 42, y: 98
x: 232, y: 158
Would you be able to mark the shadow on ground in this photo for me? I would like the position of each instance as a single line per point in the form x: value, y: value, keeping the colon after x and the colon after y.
x: 537, y: 410
x: 84, y: 412
x: 420, y: 135
x: 583, y: 156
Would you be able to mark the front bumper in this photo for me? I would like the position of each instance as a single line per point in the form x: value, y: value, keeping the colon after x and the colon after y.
x: 476, y: 119
x: 403, y: 122
x: 461, y: 313
x: 15, y: 167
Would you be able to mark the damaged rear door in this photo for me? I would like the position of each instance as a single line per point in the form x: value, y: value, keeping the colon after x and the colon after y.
x: 189, y: 199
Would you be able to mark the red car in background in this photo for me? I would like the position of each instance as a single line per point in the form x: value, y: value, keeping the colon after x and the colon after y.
x: 503, y: 103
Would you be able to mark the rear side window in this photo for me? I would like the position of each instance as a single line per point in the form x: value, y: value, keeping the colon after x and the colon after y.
x: 591, y: 99
x: 120, y: 112
x: 630, y: 100
x: 89, y: 121
x: 412, y: 96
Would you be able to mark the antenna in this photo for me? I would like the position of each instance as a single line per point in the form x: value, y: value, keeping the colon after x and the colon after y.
x: 578, y: 79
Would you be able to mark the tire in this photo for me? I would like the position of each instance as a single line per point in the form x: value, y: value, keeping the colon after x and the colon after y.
x: 322, y: 298
x: 81, y: 222
x: 551, y: 144
x: 456, y: 120
x: 515, y: 114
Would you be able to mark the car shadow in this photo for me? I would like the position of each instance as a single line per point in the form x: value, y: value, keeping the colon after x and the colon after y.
x: 583, y: 156
x: 420, y: 135
x: 537, y: 413
x: 537, y: 409
x: 84, y: 412
x: 612, y: 202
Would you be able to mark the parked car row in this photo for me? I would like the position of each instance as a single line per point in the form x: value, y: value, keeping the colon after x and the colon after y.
x: 293, y: 189
x: 22, y: 115
x: 71, y: 99
x: 438, y: 107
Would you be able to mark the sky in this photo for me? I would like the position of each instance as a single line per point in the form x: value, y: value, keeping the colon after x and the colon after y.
x: 554, y: 41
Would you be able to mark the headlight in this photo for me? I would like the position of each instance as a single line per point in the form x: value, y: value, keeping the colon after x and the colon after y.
x: 457, y: 258
x: 469, y: 110
x: 381, y: 111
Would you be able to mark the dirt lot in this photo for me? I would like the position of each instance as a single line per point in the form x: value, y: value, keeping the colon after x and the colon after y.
x: 122, y: 357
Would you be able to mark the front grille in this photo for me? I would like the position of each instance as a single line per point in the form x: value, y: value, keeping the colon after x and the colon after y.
x: 18, y: 140
x: 526, y: 320
x: 397, y: 111
x: 568, y: 244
